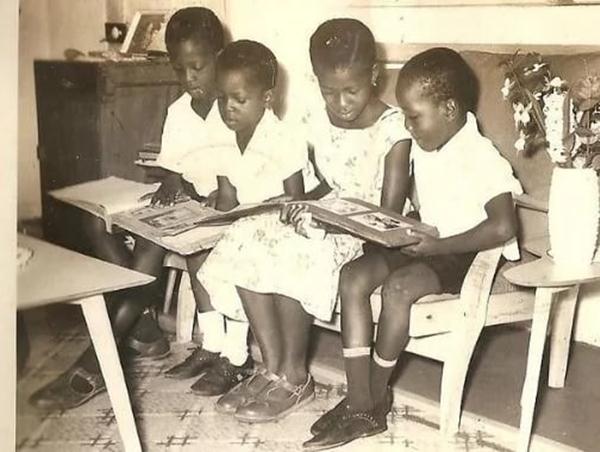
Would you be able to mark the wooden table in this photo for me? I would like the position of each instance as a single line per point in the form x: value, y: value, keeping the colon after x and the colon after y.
x: 555, y: 287
x: 57, y: 275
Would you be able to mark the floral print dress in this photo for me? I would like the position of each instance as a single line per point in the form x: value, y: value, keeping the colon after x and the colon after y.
x: 263, y: 255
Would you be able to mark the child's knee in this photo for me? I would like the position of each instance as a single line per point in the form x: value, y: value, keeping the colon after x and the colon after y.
x: 354, y: 281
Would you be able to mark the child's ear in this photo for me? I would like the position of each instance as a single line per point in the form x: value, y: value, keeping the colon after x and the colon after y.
x: 268, y: 98
x: 450, y: 109
x: 375, y: 70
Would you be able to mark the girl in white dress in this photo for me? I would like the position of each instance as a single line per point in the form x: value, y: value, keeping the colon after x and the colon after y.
x: 360, y: 149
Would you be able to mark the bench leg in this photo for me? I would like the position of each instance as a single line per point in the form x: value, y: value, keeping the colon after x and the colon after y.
x: 186, y: 310
x: 560, y: 339
x: 171, y: 277
x: 537, y: 338
x: 454, y: 375
x: 101, y: 334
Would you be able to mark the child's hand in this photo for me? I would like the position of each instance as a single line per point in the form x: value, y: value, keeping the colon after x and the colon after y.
x: 290, y: 213
x: 299, y: 216
x: 426, y: 246
x: 165, y: 196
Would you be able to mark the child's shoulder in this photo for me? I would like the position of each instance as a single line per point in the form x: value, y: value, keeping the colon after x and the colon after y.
x: 181, y: 104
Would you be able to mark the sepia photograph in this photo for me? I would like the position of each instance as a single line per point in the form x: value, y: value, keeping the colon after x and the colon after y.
x: 479, y: 118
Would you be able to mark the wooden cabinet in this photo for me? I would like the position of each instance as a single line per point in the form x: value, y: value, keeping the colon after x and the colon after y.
x: 93, y: 118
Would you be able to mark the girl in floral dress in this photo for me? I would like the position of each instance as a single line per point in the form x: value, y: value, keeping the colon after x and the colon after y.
x: 279, y: 280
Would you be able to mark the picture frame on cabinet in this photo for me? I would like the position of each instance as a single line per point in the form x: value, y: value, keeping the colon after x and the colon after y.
x: 145, y: 32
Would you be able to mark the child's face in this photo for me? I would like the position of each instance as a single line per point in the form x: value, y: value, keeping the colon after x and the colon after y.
x: 427, y: 119
x: 346, y: 91
x: 194, y: 64
x: 242, y: 101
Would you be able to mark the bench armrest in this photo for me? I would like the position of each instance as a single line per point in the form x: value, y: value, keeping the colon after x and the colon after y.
x: 476, y: 288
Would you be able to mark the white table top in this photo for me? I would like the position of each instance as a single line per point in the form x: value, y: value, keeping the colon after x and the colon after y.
x: 545, y: 273
x: 55, y: 274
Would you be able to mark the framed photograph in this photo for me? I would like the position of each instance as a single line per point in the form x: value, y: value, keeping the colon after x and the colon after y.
x: 144, y: 28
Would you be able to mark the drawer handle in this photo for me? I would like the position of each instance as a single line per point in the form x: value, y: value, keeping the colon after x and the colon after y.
x: 66, y: 83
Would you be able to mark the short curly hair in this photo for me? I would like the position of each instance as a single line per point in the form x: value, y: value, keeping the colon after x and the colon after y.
x: 341, y: 43
x: 250, y: 56
x: 196, y: 23
x: 443, y: 74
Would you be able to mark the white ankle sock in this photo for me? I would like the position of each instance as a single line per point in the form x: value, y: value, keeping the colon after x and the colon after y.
x: 212, y: 326
x: 235, y: 345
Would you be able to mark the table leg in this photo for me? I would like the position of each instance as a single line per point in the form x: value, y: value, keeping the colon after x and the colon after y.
x: 98, y: 322
x: 560, y: 340
x: 537, y: 338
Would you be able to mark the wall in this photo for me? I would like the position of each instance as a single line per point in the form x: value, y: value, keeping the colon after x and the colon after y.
x: 46, y: 28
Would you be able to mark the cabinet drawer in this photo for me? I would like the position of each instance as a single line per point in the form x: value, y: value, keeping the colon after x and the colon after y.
x: 59, y: 80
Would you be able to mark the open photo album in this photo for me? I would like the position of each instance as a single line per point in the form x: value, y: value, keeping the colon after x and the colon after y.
x: 368, y: 221
x: 190, y: 226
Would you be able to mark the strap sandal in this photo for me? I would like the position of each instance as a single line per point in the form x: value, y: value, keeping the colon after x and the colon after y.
x: 245, y: 391
x: 277, y: 401
x: 70, y: 390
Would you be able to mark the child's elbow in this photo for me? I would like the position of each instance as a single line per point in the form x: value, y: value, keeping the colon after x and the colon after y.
x: 505, y: 231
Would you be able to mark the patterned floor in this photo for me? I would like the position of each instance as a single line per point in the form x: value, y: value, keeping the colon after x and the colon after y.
x: 171, y: 418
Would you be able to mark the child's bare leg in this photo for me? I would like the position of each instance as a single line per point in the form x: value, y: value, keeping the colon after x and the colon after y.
x: 358, y: 280
x: 194, y: 262
x: 295, y: 323
x: 405, y: 286
x: 106, y: 246
x: 264, y: 323
x: 127, y: 310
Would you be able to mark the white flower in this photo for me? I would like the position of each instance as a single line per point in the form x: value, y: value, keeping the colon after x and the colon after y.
x: 556, y: 83
x: 521, y: 114
x: 520, y: 143
x: 535, y: 68
x: 506, y: 88
x: 579, y: 162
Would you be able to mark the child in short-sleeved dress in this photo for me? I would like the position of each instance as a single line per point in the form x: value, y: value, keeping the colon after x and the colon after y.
x: 359, y: 148
x: 263, y: 158
x: 269, y: 256
x: 464, y: 188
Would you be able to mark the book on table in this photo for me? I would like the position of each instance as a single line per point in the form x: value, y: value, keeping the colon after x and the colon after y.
x: 186, y: 227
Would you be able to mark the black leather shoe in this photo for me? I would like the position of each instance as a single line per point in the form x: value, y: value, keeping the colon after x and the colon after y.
x: 194, y: 365
x: 73, y: 388
x: 221, y: 377
x: 332, y: 416
x: 156, y: 350
x: 329, y: 418
x: 350, y: 426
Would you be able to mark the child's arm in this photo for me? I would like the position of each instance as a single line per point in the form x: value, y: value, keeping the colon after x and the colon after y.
x: 226, y: 194
x: 170, y: 189
x: 499, y: 227
x: 323, y: 188
x: 396, y: 176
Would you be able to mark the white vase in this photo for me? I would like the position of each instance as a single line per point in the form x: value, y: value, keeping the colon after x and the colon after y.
x: 573, y: 216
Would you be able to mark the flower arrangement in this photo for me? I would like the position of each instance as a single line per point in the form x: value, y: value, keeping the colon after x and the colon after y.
x: 548, y: 113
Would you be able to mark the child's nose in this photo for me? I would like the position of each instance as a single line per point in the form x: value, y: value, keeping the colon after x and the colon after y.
x: 190, y: 75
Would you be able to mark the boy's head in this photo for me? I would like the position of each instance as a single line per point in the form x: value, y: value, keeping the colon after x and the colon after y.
x: 435, y: 90
x: 193, y: 38
x: 343, y: 57
x: 246, y: 77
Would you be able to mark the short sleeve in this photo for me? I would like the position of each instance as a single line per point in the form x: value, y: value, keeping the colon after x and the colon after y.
x: 494, y: 174
x: 168, y: 157
x: 393, y: 127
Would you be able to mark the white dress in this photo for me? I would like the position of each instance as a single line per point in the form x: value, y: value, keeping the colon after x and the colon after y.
x: 263, y: 255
